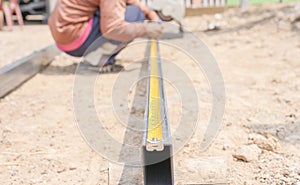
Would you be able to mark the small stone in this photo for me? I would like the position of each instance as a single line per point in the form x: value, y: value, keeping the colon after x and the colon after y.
x: 226, y: 146
x: 229, y: 124
x: 296, y: 183
x: 72, y: 168
x: 132, y: 110
x: 61, y: 170
x: 265, y: 141
x: 284, y: 179
x: 247, y: 153
x: 277, y: 176
x: 281, y: 132
x: 286, y: 173
x: 297, y: 170
x: 141, y: 93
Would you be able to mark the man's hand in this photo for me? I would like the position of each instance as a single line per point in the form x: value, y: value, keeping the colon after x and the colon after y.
x: 151, y: 15
x: 154, y: 29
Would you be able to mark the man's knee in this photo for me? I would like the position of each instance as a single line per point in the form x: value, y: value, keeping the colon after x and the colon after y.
x: 134, y: 14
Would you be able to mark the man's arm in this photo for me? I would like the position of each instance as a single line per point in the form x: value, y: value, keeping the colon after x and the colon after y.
x: 150, y: 14
x: 113, y: 24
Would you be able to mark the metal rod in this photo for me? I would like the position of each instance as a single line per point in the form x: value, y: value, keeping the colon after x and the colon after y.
x: 15, y: 74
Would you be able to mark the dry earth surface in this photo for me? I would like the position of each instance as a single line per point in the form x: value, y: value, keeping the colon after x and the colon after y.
x: 22, y: 42
x: 258, y: 52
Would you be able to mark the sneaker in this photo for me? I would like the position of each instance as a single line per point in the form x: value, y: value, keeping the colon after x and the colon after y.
x: 108, y: 68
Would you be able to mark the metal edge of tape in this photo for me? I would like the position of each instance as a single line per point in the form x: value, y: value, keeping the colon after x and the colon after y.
x: 158, y: 165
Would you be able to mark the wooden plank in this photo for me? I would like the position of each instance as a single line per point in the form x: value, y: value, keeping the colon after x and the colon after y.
x: 15, y: 74
x: 203, y: 11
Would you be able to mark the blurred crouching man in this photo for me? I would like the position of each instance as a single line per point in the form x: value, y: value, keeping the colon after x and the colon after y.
x: 76, y: 25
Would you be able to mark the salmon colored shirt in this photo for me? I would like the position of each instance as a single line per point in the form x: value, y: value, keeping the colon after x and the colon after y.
x: 70, y: 19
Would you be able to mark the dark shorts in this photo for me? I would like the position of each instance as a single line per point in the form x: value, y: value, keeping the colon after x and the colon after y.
x: 132, y: 14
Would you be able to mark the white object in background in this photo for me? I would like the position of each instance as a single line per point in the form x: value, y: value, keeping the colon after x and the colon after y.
x: 172, y: 8
x: 223, y: 3
x: 217, y: 3
x: 244, y: 3
x: 188, y: 3
x: 211, y: 3
x: 205, y: 3
x: 50, y: 5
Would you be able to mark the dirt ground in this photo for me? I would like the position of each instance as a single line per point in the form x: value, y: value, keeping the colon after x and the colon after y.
x: 31, y: 38
x: 258, y: 52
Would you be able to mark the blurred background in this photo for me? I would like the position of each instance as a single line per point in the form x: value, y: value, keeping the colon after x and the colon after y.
x: 38, y: 10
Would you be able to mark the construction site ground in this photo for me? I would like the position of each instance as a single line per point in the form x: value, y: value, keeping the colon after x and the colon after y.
x: 258, y: 52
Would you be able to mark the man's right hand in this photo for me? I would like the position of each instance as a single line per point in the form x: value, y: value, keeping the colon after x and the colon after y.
x: 151, y: 15
x: 154, y: 29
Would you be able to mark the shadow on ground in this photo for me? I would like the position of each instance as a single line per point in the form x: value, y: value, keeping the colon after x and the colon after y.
x: 286, y: 133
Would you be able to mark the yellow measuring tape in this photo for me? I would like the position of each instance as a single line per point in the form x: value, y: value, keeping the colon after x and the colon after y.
x: 154, y: 132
